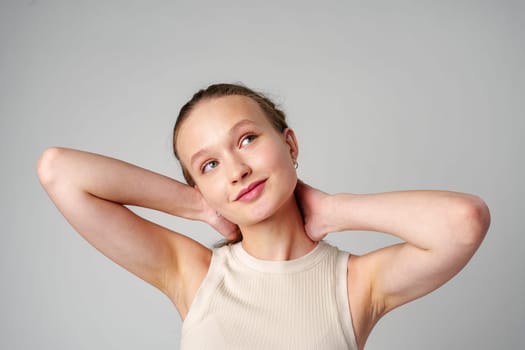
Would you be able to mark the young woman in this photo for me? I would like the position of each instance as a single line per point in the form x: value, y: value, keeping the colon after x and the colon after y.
x: 276, y: 284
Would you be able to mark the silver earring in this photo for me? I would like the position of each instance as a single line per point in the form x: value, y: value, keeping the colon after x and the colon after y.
x: 295, y: 164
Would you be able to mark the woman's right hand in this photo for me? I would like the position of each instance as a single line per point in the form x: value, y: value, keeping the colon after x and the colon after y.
x: 229, y: 230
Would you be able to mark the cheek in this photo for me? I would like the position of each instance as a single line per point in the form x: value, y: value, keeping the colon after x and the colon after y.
x: 274, y: 155
x: 213, y: 197
x: 280, y: 164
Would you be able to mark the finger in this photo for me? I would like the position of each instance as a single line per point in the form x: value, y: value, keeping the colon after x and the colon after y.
x: 300, y: 186
x: 228, y: 229
x: 233, y: 234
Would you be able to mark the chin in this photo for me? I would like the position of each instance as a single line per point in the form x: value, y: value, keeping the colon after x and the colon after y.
x: 265, y: 212
x: 254, y: 218
x: 277, y: 198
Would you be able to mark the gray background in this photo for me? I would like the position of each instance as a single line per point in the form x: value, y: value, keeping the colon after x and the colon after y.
x: 383, y: 96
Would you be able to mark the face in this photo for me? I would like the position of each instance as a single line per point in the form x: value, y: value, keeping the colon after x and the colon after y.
x: 240, y: 163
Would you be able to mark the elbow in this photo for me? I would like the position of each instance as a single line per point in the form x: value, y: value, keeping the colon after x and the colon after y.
x: 474, y: 217
x: 46, y: 167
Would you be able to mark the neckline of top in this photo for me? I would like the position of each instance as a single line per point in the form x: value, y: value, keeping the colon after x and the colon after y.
x: 280, y: 266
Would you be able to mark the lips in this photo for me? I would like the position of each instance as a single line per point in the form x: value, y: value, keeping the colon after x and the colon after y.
x: 251, y: 190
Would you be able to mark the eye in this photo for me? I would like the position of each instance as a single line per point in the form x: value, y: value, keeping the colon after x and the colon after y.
x: 248, y: 139
x: 209, y: 166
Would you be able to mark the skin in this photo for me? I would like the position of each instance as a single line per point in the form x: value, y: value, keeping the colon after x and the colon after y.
x: 441, y: 230
x: 240, y: 147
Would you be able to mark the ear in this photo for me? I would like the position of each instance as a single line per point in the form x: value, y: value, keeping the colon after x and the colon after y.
x: 291, y: 141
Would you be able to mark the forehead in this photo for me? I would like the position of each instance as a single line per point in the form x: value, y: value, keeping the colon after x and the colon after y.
x: 225, y: 107
x: 211, y: 119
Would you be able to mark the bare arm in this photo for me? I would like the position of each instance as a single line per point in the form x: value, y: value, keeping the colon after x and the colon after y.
x: 91, y: 191
x: 441, y: 230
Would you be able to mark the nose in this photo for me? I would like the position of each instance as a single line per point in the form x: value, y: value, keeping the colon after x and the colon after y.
x: 238, y: 170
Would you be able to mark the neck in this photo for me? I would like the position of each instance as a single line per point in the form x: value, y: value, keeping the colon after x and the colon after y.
x: 279, y: 237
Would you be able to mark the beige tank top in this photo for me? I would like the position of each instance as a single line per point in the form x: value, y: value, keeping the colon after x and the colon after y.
x: 248, y: 303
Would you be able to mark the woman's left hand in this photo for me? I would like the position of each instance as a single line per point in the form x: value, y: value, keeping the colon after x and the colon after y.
x: 315, y: 209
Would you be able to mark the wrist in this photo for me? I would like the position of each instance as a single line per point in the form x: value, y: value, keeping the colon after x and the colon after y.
x: 186, y: 202
x: 339, y: 213
x: 198, y: 209
x: 330, y: 222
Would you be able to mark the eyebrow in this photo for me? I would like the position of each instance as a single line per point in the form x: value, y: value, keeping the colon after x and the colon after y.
x: 236, y: 126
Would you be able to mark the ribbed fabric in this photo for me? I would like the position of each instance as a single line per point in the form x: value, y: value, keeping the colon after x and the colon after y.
x: 248, y: 303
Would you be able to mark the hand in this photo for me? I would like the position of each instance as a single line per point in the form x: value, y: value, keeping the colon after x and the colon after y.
x: 229, y: 230
x: 313, y: 205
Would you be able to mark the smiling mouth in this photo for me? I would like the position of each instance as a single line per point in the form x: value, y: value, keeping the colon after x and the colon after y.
x: 251, y: 191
